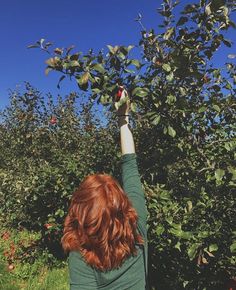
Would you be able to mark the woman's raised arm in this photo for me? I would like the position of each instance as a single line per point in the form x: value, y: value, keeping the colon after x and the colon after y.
x: 130, y: 174
x: 126, y: 137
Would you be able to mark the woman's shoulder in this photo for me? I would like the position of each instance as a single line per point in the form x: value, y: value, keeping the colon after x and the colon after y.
x: 75, y: 257
x: 75, y: 254
x: 81, y: 274
x: 76, y: 260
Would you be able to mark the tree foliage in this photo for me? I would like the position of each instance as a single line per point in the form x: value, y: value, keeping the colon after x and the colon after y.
x: 183, y: 107
x: 47, y: 147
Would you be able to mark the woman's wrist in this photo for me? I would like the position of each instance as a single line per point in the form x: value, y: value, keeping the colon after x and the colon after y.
x: 123, y: 119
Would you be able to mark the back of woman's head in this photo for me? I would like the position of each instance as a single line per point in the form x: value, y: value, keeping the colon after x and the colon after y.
x: 101, y: 223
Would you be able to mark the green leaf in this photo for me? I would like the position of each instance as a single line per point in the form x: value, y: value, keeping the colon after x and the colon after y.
x: 232, y: 170
x: 171, y: 131
x: 216, y: 107
x: 227, y: 146
x: 170, y: 77
x: 176, y: 232
x: 74, y: 63
x: 133, y: 107
x: 216, y: 73
x: 98, y: 67
x: 129, y: 71
x: 113, y: 50
x: 130, y: 47
x: 192, y: 251
x: 186, y: 235
x: 74, y: 56
x: 182, y: 91
x: 213, y: 248
x: 216, y: 4
x: 182, y: 20
x: 136, y: 63
x: 189, y: 205
x: 233, y: 247
x: 104, y: 99
x: 177, y: 246
x: 185, y: 283
x: 166, y: 67
x: 180, y: 234
x: 170, y: 31
x: 123, y: 51
x: 202, y: 109
x: 121, y: 55
x: 50, y: 62
x: 110, y: 48
x: 151, y: 115
x: 204, y: 234
x: 84, y: 79
x: 208, y: 53
x: 58, y: 51
x: 159, y: 230
x: 202, y: 3
x: 208, y: 253
x: 171, y: 99
x: 216, y: 88
x: 156, y: 120
x: 141, y: 92
x: 169, y: 219
x: 228, y: 86
x: 60, y: 213
x: 96, y: 91
x: 176, y: 226
x: 219, y: 174
x: 208, y: 9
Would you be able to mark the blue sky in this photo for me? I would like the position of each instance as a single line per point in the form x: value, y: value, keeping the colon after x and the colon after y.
x: 85, y: 24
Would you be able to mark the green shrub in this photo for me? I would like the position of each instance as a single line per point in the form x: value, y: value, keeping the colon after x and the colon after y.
x: 184, y: 124
x: 190, y: 240
x: 48, y: 146
x: 6, y: 282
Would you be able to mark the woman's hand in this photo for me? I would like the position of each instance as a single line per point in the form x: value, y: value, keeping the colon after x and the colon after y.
x: 123, y: 104
x: 123, y: 108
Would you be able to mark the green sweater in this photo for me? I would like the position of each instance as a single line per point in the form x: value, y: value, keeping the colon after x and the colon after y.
x: 131, y: 274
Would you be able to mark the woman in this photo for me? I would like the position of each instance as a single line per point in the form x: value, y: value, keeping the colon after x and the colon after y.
x: 105, y: 230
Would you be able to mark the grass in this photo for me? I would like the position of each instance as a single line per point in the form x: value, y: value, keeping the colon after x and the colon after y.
x: 6, y: 282
x: 17, y: 246
x: 48, y: 280
x: 45, y: 279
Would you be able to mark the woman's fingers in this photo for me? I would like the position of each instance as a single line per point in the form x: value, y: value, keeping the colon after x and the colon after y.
x: 124, y: 93
x: 122, y: 103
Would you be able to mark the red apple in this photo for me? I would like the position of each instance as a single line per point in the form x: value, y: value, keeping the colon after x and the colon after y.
x: 5, y: 236
x: 6, y: 253
x: 48, y: 226
x: 11, y: 267
x: 53, y: 121
x: 119, y: 94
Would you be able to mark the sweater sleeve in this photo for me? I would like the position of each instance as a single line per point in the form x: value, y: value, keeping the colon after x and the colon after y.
x: 133, y: 188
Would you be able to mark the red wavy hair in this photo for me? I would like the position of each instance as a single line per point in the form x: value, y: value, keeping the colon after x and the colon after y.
x: 101, y: 223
